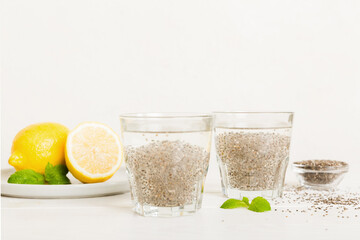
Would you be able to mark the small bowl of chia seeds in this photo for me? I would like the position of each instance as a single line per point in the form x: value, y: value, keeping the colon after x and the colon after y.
x: 320, y: 174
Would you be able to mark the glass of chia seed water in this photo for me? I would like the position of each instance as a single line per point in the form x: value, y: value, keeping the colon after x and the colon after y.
x: 167, y: 159
x: 252, y: 150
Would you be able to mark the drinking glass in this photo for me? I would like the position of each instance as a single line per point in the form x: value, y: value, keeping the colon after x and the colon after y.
x: 167, y: 159
x: 252, y: 150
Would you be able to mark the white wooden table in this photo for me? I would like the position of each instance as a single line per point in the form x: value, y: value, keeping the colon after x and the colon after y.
x: 112, y: 218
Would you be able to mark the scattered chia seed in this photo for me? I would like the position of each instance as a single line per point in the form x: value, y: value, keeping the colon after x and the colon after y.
x: 338, y: 203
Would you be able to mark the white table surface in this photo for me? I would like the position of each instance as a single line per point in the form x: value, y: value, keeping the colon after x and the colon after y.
x: 112, y: 218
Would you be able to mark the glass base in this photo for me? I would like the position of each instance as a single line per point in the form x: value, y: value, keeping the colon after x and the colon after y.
x: 320, y: 187
x: 239, y: 194
x: 154, y: 211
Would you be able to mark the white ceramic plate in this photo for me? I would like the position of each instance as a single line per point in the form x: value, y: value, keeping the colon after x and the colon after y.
x: 115, y: 185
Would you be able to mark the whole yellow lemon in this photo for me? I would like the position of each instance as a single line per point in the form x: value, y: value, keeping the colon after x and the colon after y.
x: 36, y: 145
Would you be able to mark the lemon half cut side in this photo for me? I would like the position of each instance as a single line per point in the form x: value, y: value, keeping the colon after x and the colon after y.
x: 93, y: 152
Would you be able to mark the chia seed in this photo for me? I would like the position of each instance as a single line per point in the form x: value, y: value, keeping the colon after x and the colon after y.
x: 166, y: 173
x: 340, y: 203
x: 253, y: 159
x: 319, y: 172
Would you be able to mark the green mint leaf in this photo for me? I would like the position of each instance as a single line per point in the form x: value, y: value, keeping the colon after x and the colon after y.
x: 233, y: 203
x: 56, y: 174
x: 26, y: 176
x: 259, y: 204
x: 246, y: 200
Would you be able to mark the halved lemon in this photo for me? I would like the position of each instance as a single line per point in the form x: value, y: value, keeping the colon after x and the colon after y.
x: 93, y: 152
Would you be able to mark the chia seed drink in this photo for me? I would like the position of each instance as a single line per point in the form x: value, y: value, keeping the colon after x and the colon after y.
x: 252, y: 160
x: 167, y: 158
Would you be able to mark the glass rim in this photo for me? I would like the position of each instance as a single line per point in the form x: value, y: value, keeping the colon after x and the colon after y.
x: 247, y: 112
x: 164, y: 115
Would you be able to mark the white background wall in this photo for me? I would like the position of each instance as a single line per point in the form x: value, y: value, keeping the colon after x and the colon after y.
x: 78, y: 60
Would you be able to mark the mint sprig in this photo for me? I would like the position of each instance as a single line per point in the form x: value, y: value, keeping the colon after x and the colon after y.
x: 258, y: 204
x: 233, y: 203
x: 56, y: 174
x: 26, y: 176
x: 53, y: 175
x: 246, y: 200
